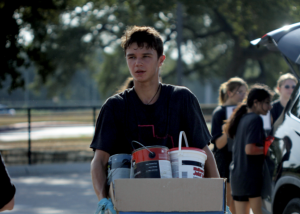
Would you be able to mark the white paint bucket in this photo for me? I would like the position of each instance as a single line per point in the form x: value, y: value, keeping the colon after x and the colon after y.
x: 187, y: 162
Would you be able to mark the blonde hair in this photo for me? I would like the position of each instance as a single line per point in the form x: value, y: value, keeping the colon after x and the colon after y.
x: 283, y: 78
x: 126, y: 85
x: 232, y: 84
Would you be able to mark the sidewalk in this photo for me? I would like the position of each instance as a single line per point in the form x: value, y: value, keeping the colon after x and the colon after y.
x: 53, y: 189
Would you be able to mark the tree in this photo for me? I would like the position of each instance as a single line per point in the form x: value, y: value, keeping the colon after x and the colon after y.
x: 19, y: 16
x: 216, y: 37
x: 218, y: 33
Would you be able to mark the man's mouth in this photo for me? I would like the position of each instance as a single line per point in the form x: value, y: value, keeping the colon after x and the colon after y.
x: 140, y: 71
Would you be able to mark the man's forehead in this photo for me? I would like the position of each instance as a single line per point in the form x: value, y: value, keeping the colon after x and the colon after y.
x: 143, y: 48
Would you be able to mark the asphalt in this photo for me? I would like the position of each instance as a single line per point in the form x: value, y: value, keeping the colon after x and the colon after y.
x: 53, y: 189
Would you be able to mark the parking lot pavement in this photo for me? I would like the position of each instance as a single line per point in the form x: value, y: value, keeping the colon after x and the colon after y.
x: 53, y: 189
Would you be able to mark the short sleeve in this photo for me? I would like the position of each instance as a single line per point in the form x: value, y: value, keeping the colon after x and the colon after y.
x: 217, y: 122
x: 255, y: 131
x: 195, y: 126
x: 105, y: 135
x: 7, y: 188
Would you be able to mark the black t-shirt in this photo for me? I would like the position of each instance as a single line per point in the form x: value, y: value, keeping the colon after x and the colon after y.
x: 7, y: 189
x: 223, y: 156
x: 124, y: 118
x: 246, y: 170
x: 276, y: 110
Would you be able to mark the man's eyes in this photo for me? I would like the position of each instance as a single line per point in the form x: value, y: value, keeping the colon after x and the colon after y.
x: 133, y: 57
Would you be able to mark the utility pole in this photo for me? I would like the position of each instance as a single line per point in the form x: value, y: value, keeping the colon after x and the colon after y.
x: 26, y: 93
x: 179, y: 41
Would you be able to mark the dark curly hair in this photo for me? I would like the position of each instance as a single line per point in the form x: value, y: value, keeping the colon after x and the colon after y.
x: 143, y: 36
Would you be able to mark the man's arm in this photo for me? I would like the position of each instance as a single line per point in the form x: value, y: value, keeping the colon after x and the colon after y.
x: 210, y: 167
x: 9, y: 205
x: 98, y: 172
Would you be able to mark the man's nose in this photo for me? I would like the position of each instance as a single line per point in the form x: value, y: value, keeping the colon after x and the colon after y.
x: 138, y: 62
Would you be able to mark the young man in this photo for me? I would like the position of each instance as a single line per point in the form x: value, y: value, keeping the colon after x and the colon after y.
x: 151, y: 113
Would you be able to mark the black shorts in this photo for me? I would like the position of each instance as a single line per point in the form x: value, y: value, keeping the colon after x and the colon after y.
x: 244, y: 198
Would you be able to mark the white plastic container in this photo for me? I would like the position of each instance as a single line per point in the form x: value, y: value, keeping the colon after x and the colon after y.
x: 187, y: 162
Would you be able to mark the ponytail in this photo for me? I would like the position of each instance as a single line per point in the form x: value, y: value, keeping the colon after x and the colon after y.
x: 126, y: 85
x: 223, y: 93
x: 232, y: 124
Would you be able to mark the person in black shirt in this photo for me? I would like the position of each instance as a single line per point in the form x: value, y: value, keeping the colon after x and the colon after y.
x: 285, y: 87
x: 231, y: 93
x: 7, y: 189
x: 245, y: 126
x: 151, y: 112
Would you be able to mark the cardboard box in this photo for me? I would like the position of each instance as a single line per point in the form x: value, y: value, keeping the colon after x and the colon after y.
x: 178, y: 195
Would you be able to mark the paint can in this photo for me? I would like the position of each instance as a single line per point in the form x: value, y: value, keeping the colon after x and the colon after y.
x: 118, y: 167
x: 151, y: 162
x: 187, y: 162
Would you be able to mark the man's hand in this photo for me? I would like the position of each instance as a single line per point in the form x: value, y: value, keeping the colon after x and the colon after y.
x: 105, y: 206
x: 227, y: 210
x: 9, y: 205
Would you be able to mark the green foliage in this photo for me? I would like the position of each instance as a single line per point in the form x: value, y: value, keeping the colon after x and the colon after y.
x: 112, y: 73
x: 34, y: 16
x: 72, y: 35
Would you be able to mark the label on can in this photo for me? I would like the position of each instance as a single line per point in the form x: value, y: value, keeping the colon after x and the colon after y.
x: 188, y: 168
x: 165, y: 169
x: 117, y: 174
x: 175, y: 168
x: 153, y: 169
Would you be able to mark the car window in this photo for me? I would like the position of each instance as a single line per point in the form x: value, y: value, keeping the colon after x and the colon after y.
x: 296, y: 108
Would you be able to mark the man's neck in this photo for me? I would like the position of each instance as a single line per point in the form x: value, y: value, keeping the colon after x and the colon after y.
x: 147, y: 92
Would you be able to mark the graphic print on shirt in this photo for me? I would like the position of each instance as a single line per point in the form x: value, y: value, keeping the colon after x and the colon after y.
x: 148, y: 137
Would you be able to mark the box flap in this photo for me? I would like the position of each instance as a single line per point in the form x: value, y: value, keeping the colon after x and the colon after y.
x: 167, y: 195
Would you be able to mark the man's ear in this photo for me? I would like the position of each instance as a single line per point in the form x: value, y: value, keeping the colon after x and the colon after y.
x: 161, y: 60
